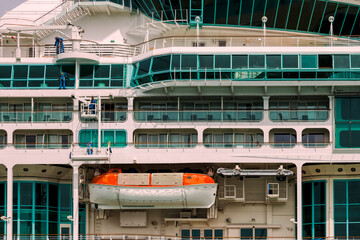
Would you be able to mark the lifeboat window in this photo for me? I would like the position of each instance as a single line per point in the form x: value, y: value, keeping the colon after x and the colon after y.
x: 115, y: 171
x: 189, y: 177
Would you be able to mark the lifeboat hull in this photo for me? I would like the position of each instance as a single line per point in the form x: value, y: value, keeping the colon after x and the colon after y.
x: 170, y: 197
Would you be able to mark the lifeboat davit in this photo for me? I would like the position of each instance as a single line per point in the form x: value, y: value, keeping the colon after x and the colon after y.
x: 117, y: 190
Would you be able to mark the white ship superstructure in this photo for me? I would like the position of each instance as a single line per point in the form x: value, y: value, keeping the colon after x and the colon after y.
x: 233, y: 119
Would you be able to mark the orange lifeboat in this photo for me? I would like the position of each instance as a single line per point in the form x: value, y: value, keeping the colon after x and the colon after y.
x: 117, y: 190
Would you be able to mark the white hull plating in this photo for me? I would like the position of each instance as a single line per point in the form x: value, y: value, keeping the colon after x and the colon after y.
x: 123, y: 197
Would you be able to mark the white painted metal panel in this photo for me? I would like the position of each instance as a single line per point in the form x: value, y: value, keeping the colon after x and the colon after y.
x: 122, y: 197
x: 133, y: 219
x: 140, y: 179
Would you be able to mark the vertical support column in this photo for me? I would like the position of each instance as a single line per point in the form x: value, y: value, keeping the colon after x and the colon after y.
x: 9, y: 137
x: 32, y: 110
x: 330, y: 207
x: 332, y: 120
x: 266, y: 108
x: 269, y: 218
x: 299, y: 200
x: 77, y: 74
x: 9, y: 202
x: 2, y: 46
x: 75, y: 186
x: 18, y: 49
x: 99, y: 123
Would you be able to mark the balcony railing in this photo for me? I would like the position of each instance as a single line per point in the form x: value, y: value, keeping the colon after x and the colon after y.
x: 199, y: 116
x: 125, y: 50
x: 35, y: 116
x: 110, y: 116
x: 154, y: 237
x: 298, y: 115
x: 84, y: 149
x: 55, y: 145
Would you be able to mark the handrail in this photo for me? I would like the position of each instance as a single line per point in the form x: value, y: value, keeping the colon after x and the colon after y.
x: 53, y: 9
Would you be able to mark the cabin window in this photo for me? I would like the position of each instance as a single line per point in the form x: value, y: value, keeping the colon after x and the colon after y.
x: 325, y: 61
x: 21, y: 71
x: 5, y: 71
x: 355, y: 61
x: 256, y: 61
x: 206, y: 61
x: 102, y: 71
x: 273, y: 61
x: 290, y: 61
x: 161, y: 63
x: 341, y: 61
x: 239, y: 61
x: 189, y: 61
x: 308, y: 61
x: 36, y: 71
x: 222, y: 61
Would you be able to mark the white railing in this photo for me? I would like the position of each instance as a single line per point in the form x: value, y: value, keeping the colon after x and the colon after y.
x: 123, y: 50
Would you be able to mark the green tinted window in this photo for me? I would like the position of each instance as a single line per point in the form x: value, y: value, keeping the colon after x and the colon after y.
x: 189, y: 61
x: 222, y: 61
x: 206, y: 61
x: 117, y: 71
x: 86, y: 71
x: 239, y: 61
x: 256, y: 61
x: 341, y: 61
x: 290, y: 61
x: 355, y: 61
x: 52, y: 71
x: 102, y: 71
x: 175, y: 62
x: 69, y: 69
x: 161, y: 63
x: 273, y: 61
x: 36, y: 71
x: 5, y: 71
x: 20, y: 71
x: 308, y: 61
x: 144, y: 67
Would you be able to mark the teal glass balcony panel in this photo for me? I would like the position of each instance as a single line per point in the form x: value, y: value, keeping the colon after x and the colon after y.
x: 35, y: 76
x: 109, y: 116
x: 35, y: 116
x: 199, y: 116
x: 298, y: 115
x: 296, y: 15
x: 252, y: 68
x: 116, y: 137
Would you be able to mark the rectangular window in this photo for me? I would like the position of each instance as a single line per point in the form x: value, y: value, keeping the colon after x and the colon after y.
x: 86, y: 71
x: 21, y: 71
x: 189, y: 61
x: 290, y: 61
x: 355, y: 61
x: 341, y: 61
x: 284, y: 139
x: 144, y: 67
x: 36, y: 71
x: 222, y: 61
x: 102, y: 71
x: 325, y: 61
x: 239, y: 61
x: 256, y: 61
x: 206, y: 61
x: 273, y: 61
x: 308, y: 61
x: 161, y: 64
x: 117, y: 71
x: 5, y: 72
x: 52, y: 72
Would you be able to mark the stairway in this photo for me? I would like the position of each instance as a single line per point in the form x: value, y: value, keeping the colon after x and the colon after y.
x: 65, y: 17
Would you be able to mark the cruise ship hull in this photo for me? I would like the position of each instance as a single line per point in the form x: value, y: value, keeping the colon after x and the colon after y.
x: 173, y: 197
